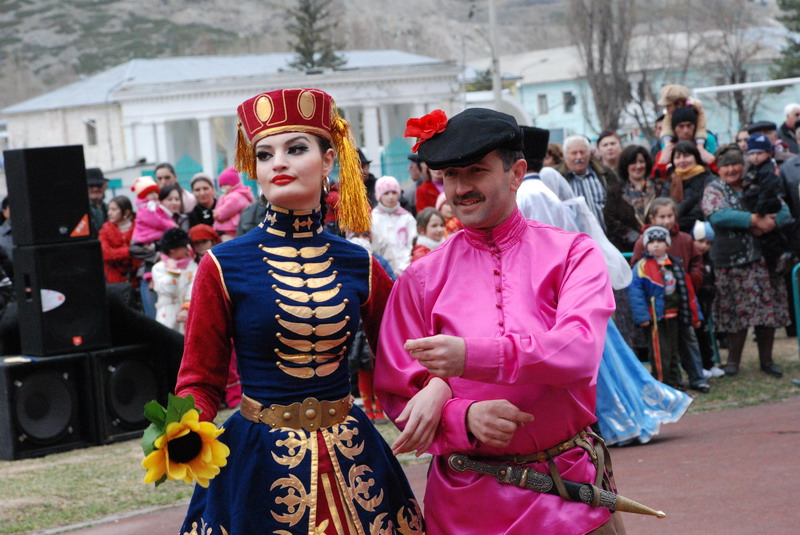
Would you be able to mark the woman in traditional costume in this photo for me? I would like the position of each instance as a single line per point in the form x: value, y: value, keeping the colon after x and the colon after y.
x: 288, y: 296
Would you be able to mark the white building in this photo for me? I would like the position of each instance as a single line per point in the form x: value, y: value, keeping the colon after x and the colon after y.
x: 183, y: 110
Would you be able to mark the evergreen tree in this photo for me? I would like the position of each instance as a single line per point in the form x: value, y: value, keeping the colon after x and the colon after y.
x: 312, y: 25
x: 788, y: 64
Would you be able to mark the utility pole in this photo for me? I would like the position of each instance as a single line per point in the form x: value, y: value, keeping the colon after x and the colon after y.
x: 497, y: 87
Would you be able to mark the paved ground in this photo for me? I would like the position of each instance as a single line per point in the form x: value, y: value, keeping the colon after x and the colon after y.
x: 732, y: 472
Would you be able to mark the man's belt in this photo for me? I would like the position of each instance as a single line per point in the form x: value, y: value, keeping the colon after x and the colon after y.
x: 310, y: 415
x: 579, y: 440
x: 527, y: 478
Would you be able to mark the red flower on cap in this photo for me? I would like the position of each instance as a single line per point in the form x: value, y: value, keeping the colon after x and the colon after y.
x: 426, y: 127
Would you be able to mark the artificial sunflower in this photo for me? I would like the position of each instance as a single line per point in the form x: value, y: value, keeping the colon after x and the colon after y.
x: 178, y: 446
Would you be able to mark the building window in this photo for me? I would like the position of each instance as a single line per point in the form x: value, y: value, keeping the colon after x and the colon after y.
x: 541, y: 100
x: 569, y: 102
x: 91, y: 131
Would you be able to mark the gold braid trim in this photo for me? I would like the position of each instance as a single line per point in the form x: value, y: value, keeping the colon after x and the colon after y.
x: 353, y: 205
x: 244, y: 159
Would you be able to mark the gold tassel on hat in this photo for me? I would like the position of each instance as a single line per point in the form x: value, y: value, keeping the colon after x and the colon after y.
x: 353, y: 207
x: 244, y: 159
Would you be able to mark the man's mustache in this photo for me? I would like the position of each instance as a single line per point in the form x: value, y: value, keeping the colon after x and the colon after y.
x: 579, y: 160
x: 469, y: 197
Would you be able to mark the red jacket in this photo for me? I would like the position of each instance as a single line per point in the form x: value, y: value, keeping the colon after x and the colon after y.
x: 682, y: 248
x: 117, y: 262
x: 427, y: 193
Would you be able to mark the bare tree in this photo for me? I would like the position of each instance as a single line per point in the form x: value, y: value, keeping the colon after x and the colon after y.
x: 731, y: 47
x: 602, y: 32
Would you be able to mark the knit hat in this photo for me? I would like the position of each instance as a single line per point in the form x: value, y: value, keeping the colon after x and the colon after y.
x: 202, y: 233
x: 384, y: 184
x: 703, y: 231
x: 440, y: 200
x: 229, y: 177
x: 144, y: 185
x: 758, y: 142
x: 687, y: 114
x: 656, y: 233
x: 311, y: 111
x: 201, y: 177
x: 173, y: 238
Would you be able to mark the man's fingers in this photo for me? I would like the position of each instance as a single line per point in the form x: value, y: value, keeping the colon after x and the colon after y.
x: 417, y: 344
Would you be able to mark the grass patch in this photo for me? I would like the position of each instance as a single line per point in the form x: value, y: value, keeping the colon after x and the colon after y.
x: 93, y: 483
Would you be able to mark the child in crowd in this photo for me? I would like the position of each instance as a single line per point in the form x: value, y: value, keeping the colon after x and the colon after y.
x: 173, y: 276
x: 662, y: 298
x: 203, y: 238
x: 115, y: 239
x: 170, y: 198
x: 674, y: 96
x: 235, y: 198
x: 152, y: 220
x: 451, y: 222
x: 663, y: 212
x: 393, y: 228
x: 430, y: 232
x: 703, y: 234
x: 763, y: 189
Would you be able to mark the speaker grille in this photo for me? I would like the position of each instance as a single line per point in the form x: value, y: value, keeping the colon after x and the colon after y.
x: 44, y: 406
x: 130, y: 386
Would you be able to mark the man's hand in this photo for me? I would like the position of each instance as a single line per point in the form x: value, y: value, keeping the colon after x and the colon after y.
x: 182, y: 316
x: 494, y: 422
x: 421, y: 416
x: 443, y: 355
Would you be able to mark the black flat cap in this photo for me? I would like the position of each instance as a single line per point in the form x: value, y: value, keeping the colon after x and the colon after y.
x: 363, y: 158
x: 535, y: 142
x: 469, y: 136
x: 761, y: 126
x: 416, y: 158
x: 94, y: 177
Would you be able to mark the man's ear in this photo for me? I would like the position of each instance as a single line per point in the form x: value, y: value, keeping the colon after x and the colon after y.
x: 518, y: 170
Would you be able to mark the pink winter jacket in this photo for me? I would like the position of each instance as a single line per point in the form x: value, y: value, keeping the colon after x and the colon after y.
x: 152, y: 220
x: 229, y: 208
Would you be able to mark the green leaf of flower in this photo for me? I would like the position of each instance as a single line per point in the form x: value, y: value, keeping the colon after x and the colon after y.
x: 160, y: 481
x: 154, y: 412
x: 149, y: 437
x: 177, y: 407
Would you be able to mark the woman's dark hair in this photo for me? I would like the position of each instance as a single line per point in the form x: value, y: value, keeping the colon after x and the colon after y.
x: 686, y: 147
x: 166, y: 190
x: 555, y: 152
x: 425, y: 216
x: 166, y: 165
x: 124, y: 204
x: 628, y: 157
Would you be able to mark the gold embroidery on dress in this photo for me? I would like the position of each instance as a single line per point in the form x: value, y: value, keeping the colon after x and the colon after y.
x: 204, y: 529
x: 305, y: 345
x: 305, y: 358
x: 327, y: 369
x: 297, y: 282
x: 306, y: 329
x: 329, y: 487
x: 343, y: 438
x: 311, y: 268
x: 302, y: 297
x: 362, y: 485
x: 276, y: 231
x: 306, y: 372
x: 296, y: 500
x: 300, y: 373
x: 409, y: 520
x: 377, y: 527
x: 272, y: 217
x: 291, y: 252
x: 347, y: 492
x: 302, y: 223
x: 308, y: 312
x: 296, y: 444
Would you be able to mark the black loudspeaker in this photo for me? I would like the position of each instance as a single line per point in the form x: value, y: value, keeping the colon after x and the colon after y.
x: 46, y: 405
x: 48, y: 195
x: 61, y: 299
x: 125, y: 378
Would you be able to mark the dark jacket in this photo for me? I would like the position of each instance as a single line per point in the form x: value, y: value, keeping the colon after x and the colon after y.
x: 790, y: 176
x: 681, y: 248
x: 787, y: 135
x: 200, y: 215
x: 689, y: 209
x: 612, y: 185
x: 622, y: 227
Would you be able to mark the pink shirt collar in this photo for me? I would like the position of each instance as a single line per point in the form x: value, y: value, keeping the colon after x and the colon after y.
x: 502, y: 237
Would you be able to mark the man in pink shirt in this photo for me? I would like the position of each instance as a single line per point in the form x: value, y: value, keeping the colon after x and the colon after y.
x: 512, y: 315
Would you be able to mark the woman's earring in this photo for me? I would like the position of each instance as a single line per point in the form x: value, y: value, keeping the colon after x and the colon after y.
x: 326, y: 185
x: 262, y: 200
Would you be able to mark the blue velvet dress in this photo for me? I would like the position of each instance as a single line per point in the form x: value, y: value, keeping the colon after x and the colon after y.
x: 290, y: 295
x: 631, y: 404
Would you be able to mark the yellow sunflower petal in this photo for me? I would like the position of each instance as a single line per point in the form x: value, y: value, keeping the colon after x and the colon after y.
x: 155, y: 465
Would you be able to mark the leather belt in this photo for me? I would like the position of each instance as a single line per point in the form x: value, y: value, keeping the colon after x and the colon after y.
x: 579, y: 440
x: 311, y: 414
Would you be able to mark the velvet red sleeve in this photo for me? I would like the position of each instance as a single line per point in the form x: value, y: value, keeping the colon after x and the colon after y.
x: 207, y: 349
x: 372, y: 309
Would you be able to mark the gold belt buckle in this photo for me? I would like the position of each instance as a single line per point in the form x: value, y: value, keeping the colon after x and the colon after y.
x: 310, y: 414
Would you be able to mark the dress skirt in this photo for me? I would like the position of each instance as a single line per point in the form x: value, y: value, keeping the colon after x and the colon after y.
x: 631, y: 404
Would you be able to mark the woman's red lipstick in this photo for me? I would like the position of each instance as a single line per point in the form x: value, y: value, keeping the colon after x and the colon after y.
x: 281, y: 180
